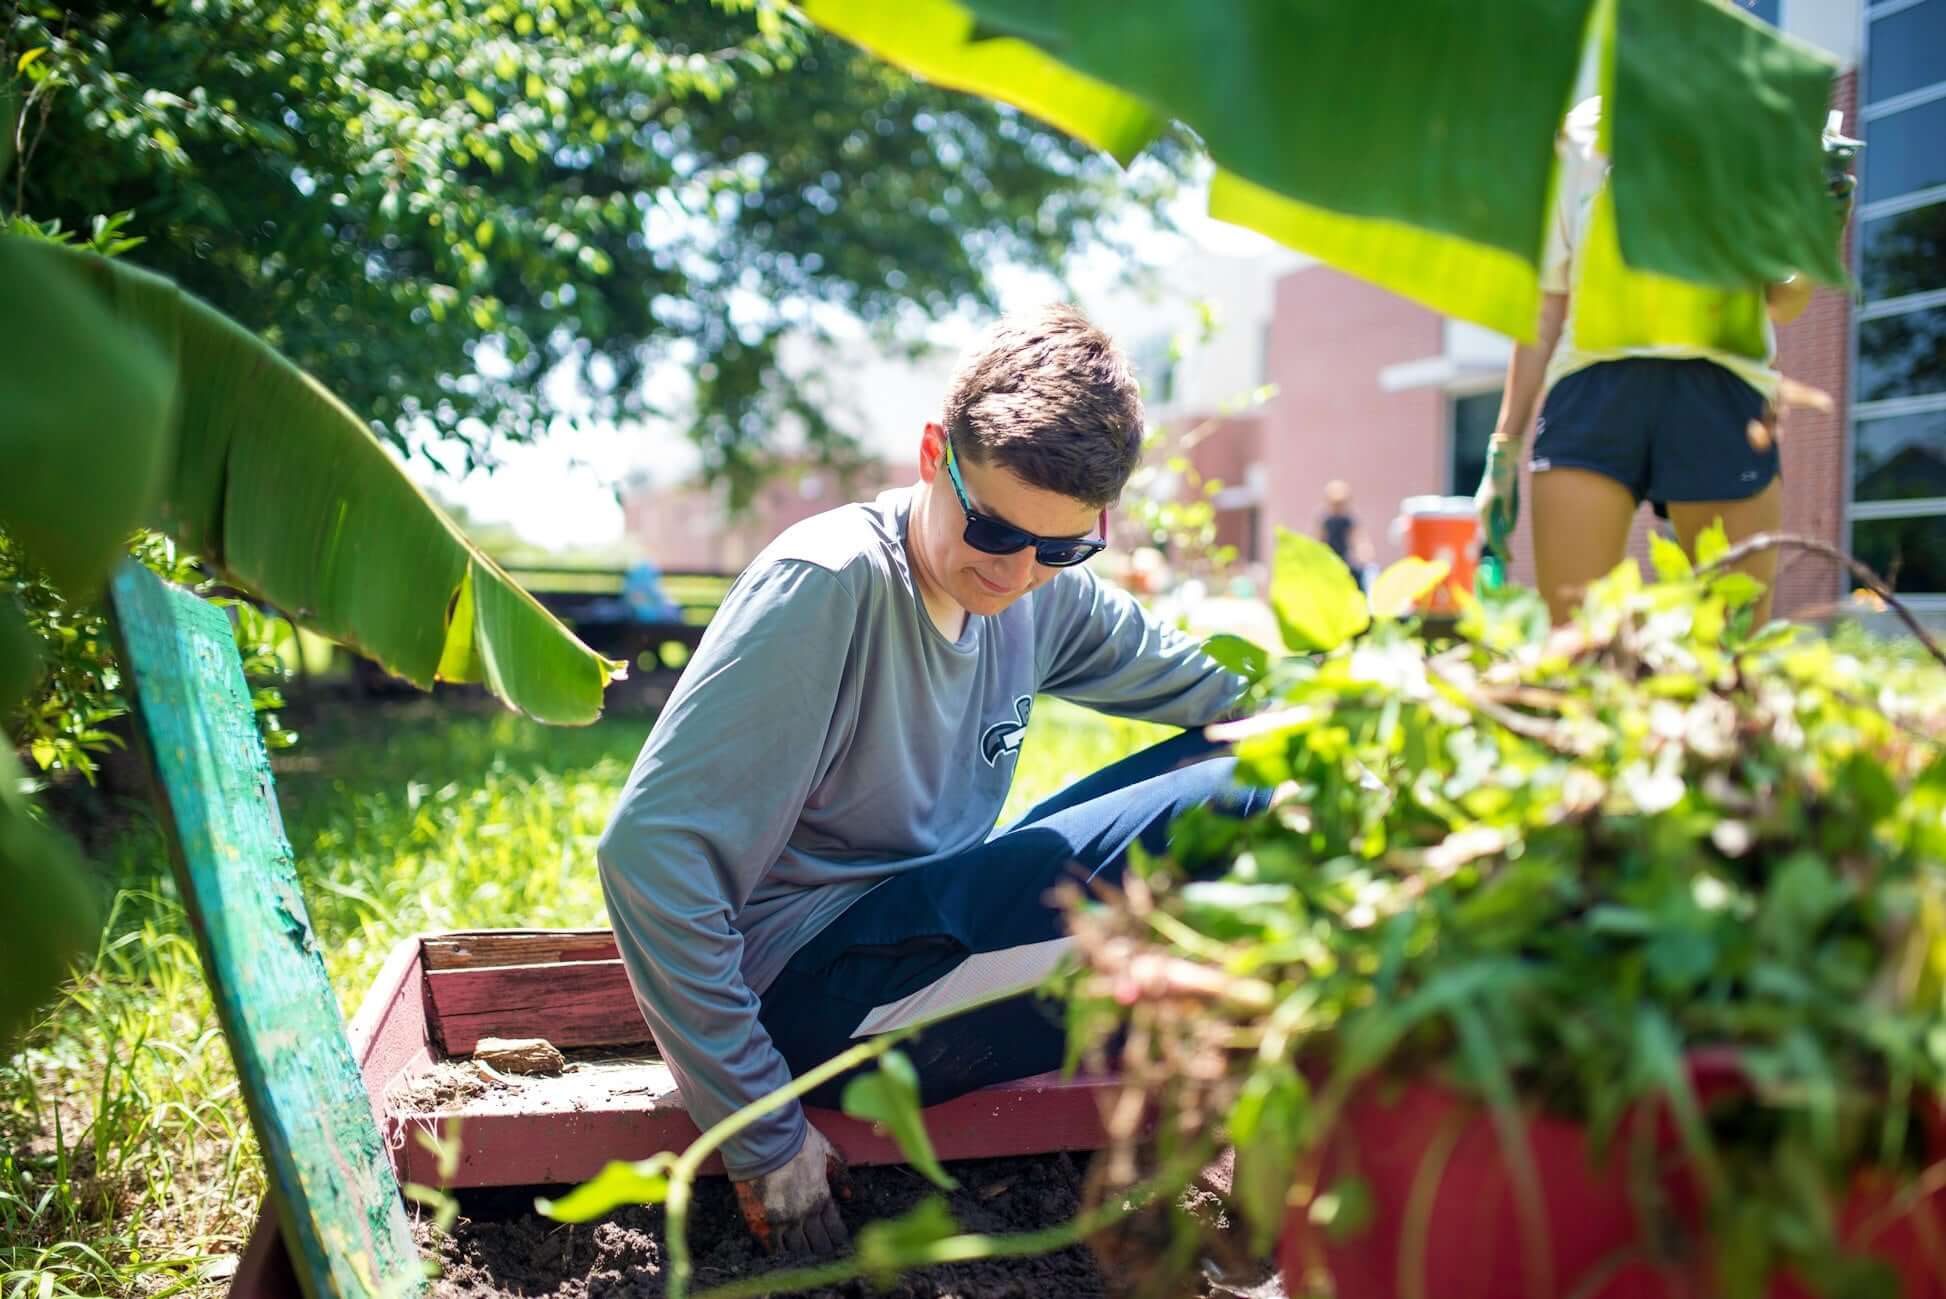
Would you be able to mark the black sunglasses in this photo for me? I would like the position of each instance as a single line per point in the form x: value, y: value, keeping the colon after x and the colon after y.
x: 993, y: 537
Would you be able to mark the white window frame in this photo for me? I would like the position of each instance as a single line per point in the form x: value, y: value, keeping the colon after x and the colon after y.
x: 1856, y: 511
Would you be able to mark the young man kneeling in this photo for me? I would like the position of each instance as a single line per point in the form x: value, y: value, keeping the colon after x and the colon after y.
x: 805, y: 853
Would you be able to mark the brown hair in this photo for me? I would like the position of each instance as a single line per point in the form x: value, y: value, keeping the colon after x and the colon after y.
x: 1049, y: 397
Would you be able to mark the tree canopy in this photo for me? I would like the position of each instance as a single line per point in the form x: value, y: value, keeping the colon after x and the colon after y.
x: 432, y: 205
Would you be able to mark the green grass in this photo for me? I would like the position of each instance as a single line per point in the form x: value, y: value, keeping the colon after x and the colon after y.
x: 126, y: 1161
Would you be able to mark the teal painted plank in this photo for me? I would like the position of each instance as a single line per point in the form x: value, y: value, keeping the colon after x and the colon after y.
x: 330, y: 1177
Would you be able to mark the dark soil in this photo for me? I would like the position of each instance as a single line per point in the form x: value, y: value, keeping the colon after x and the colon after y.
x: 499, y: 1247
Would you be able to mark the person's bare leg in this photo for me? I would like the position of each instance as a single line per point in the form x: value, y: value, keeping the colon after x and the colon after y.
x: 1581, y: 521
x: 1763, y: 512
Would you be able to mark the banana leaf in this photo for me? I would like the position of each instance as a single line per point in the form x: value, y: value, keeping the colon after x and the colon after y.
x: 51, y: 915
x: 1412, y: 143
x: 258, y: 469
x: 87, y: 400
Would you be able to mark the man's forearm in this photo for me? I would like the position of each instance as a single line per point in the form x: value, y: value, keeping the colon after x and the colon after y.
x: 1527, y: 371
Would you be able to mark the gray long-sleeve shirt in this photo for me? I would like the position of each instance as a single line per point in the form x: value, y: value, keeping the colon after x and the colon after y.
x: 825, y: 736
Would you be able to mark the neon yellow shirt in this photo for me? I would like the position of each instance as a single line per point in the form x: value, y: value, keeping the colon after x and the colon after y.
x: 1581, y: 259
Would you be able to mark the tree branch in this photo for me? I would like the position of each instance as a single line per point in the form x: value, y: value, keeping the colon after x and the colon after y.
x: 1792, y: 541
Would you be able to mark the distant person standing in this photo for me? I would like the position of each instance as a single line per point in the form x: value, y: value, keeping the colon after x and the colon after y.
x: 1689, y: 428
x: 1339, y: 530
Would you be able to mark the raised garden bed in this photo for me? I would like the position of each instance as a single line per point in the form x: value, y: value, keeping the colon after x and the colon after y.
x: 440, y: 994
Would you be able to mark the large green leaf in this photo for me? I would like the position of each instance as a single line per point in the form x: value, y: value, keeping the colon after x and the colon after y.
x: 1453, y: 276
x: 51, y: 917
x: 1317, y: 601
x: 1719, y: 164
x: 276, y: 481
x: 87, y: 416
x: 1412, y: 144
x: 87, y: 400
x: 889, y: 1097
x: 939, y: 41
x: 619, y: 1183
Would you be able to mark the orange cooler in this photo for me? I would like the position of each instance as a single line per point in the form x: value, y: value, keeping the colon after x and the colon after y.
x: 1443, y: 527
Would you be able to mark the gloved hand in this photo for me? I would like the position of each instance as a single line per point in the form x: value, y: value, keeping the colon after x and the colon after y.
x: 790, y: 1209
x: 1498, y: 499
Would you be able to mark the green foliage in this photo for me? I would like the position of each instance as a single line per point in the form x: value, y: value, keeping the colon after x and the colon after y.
x: 63, y: 724
x: 1440, y: 189
x: 80, y: 367
x: 432, y: 206
x: 1547, y: 865
x: 643, y: 1181
x: 1316, y: 599
x: 67, y: 720
x: 889, y: 1096
x: 885, y: 1249
x: 1244, y: 657
x: 1399, y: 588
x: 285, y: 491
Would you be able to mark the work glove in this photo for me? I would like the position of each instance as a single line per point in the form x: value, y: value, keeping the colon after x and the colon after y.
x: 1498, y: 500
x: 790, y: 1210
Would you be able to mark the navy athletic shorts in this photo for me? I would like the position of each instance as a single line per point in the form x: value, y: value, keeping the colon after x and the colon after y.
x: 1668, y: 430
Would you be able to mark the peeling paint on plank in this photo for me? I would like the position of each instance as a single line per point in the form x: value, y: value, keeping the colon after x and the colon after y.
x: 336, y: 1194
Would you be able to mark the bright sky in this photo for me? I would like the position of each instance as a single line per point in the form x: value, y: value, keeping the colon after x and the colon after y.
x: 560, y: 493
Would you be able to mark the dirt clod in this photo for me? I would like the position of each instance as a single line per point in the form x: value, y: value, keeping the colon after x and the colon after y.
x: 530, y: 1055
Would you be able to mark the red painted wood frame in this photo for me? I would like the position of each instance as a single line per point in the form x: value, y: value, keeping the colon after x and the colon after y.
x: 439, y: 994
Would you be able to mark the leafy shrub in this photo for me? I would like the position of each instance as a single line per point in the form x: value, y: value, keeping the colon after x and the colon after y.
x: 1543, y: 865
x: 69, y: 720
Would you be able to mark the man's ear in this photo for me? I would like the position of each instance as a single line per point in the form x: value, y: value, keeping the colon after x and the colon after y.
x: 932, y: 452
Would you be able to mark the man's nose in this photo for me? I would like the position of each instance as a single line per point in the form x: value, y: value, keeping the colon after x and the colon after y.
x: 1019, y: 567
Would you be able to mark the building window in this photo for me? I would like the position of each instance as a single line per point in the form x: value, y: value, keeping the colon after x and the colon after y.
x: 1898, y: 426
x: 1905, y: 49
x: 1909, y: 552
x: 1764, y: 9
x: 1903, y: 253
x: 1899, y: 458
x: 1902, y: 353
x: 1902, y: 152
x: 1471, y: 425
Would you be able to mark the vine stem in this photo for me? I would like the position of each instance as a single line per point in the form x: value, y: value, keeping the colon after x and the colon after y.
x: 682, y: 1175
x: 1795, y: 541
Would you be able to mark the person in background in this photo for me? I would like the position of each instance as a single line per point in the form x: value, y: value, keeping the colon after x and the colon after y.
x: 642, y: 593
x: 1690, y: 429
x: 805, y: 854
x: 1338, y: 529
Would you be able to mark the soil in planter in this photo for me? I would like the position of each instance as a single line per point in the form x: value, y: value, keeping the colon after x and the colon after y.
x: 499, y: 1247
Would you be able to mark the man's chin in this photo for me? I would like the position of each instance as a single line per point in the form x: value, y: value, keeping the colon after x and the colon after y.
x: 984, y: 600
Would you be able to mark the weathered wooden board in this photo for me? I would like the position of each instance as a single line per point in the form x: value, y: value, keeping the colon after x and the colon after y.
x: 331, y: 1176
x: 565, y: 1128
x: 474, y: 948
x: 582, y: 1003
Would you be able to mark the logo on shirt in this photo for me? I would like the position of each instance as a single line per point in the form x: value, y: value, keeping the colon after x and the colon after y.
x: 1003, y: 738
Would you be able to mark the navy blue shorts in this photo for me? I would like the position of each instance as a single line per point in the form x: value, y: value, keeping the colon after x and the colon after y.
x: 1668, y: 430
x: 983, y: 923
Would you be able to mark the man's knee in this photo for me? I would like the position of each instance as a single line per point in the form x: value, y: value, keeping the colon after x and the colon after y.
x: 1212, y: 780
